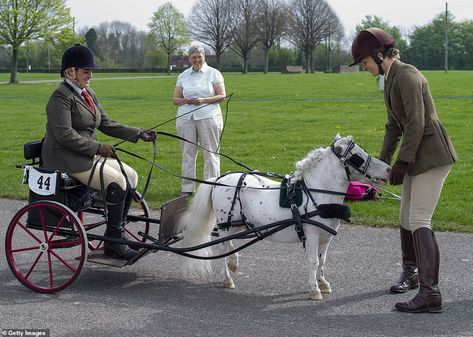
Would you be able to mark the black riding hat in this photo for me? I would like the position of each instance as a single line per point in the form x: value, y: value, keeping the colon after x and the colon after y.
x: 77, y: 56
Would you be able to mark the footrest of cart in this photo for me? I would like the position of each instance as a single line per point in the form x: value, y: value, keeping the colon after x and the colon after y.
x: 98, y: 256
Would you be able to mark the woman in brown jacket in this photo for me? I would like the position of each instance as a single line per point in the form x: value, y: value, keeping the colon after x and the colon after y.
x: 70, y: 145
x: 425, y: 157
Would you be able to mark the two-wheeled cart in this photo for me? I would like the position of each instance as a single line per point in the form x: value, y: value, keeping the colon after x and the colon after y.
x: 49, y: 240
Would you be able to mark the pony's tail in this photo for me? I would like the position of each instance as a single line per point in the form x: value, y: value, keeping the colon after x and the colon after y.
x: 198, y: 223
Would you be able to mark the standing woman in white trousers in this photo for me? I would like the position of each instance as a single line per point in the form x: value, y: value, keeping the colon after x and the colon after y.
x: 198, y: 92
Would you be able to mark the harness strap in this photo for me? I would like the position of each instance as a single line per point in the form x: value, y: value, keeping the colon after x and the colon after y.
x: 236, y: 196
x: 298, y: 223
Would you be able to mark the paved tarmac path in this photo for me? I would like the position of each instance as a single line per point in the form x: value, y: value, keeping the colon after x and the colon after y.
x: 151, y: 298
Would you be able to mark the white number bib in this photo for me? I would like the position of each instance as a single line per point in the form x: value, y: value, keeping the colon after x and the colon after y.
x: 41, y: 182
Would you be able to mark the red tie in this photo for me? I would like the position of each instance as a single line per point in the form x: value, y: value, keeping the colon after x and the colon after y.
x: 86, y: 96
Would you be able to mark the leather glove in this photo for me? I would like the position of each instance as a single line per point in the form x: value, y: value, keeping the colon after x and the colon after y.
x: 147, y: 136
x: 106, y: 150
x: 398, y: 171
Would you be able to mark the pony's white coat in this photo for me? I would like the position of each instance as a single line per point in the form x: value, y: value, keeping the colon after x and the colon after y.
x: 321, y: 169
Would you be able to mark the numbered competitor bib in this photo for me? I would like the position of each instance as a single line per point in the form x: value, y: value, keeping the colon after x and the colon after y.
x: 41, y: 182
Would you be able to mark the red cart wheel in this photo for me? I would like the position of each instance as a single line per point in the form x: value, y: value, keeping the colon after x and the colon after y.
x: 136, y: 221
x: 46, y: 246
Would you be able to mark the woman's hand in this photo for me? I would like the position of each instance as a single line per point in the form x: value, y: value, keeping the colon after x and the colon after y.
x: 147, y: 136
x: 106, y: 150
x: 193, y: 100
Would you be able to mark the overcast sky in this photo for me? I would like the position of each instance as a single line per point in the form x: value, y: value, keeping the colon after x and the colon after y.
x: 402, y: 13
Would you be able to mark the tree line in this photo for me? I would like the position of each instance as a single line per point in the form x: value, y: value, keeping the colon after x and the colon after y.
x: 242, y: 34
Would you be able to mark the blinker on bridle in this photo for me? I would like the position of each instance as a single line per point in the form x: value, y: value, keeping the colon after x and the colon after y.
x: 354, y: 160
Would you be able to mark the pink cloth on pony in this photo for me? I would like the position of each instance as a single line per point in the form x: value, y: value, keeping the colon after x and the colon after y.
x: 359, y: 191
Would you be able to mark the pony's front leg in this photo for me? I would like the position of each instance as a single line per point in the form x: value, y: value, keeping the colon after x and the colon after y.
x: 311, y: 246
x: 324, y: 285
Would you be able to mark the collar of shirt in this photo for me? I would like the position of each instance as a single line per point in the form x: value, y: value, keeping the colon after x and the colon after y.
x: 75, y: 86
x: 203, y: 69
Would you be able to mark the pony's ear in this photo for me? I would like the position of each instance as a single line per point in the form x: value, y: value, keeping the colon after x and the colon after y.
x: 337, y: 137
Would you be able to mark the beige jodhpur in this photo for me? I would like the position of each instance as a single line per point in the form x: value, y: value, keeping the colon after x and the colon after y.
x: 420, y: 195
x: 111, y: 173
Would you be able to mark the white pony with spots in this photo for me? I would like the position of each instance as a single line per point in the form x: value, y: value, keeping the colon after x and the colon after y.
x: 328, y: 169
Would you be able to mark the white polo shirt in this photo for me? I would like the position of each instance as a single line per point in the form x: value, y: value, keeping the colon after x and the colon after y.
x: 199, y: 84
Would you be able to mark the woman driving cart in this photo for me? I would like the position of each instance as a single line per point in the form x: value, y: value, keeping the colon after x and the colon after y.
x: 70, y: 145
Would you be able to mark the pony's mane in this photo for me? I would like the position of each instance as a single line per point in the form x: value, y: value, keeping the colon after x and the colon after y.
x: 310, y: 160
x: 316, y: 156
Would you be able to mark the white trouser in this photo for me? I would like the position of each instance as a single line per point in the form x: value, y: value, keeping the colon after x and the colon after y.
x: 420, y: 195
x: 205, y: 132
x: 111, y: 173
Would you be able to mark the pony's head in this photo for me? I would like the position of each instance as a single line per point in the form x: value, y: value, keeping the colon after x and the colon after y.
x: 359, y: 165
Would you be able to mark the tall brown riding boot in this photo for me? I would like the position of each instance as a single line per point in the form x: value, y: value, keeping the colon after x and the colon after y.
x: 409, y: 278
x: 429, y: 298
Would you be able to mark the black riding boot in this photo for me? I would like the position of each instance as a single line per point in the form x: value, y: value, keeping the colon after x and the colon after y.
x: 115, y: 200
x: 409, y: 278
x: 429, y: 298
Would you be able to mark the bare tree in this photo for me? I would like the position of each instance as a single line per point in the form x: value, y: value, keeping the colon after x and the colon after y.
x: 245, y: 35
x: 120, y: 44
x: 211, y: 22
x: 272, y: 24
x: 169, y: 29
x: 310, y: 21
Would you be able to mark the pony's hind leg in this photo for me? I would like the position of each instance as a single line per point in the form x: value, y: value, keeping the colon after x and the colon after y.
x: 227, y: 278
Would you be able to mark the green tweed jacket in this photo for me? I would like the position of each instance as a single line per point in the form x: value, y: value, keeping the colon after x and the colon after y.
x: 70, y: 143
x: 413, y: 121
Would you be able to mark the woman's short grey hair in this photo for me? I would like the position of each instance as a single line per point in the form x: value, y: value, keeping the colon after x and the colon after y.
x: 196, y: 49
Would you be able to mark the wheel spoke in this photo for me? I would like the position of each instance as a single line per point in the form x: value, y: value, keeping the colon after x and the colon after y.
x: 132, y: 235
x: 33, y: 265
x: 43, y: 223
x: 61, y: 221
x: 28, y: 231
x: 64, y: 262
x: 24, y: 249
x: 50, y: 267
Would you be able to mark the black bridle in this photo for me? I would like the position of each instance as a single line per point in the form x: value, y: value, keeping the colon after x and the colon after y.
x: 354, y: 160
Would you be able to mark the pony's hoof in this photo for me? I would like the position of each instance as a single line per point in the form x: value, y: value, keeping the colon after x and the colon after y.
x: 315, y: 295
x: 228, y: 284
x: 325, y: 288
x: 232, y: 267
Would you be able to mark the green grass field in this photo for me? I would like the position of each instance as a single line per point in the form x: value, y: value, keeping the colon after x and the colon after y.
x: 273, y: 120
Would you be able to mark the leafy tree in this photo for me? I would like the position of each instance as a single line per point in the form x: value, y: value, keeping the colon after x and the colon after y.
x: 427, y: 43
x: 24, y: 20
x: 169, y: 29
x: 465, y: 54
